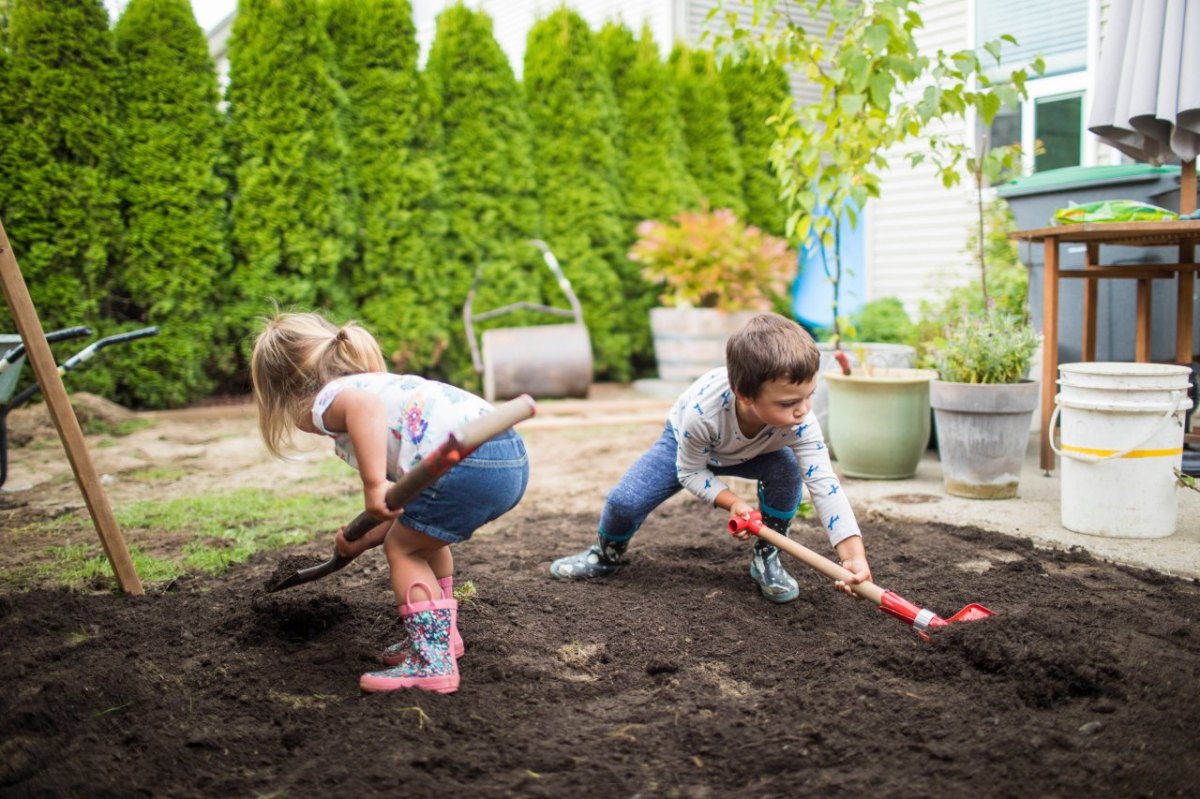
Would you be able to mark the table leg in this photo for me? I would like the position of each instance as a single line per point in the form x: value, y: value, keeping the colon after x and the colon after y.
x: 1049, y: 347
x: 1184, y: 308
x: 1091, y: 295
x: 1141, y: 350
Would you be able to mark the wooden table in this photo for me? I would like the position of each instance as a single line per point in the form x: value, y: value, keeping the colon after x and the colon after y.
x: 1183, y: 235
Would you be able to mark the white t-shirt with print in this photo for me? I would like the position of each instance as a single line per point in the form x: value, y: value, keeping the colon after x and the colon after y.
x: 421, y: 414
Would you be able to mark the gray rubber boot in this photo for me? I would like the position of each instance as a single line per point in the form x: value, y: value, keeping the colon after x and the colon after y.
x: 599, y: 560
x: 766, y: 570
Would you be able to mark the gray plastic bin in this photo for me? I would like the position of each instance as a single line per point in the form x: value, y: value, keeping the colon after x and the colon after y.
x: 1034, y: 199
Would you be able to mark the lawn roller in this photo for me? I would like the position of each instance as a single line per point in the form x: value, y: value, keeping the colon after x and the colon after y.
x: 457, y: 446
x: 891, y: 603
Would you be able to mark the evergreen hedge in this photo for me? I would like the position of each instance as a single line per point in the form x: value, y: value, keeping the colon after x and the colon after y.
x: 487, y: 179
x: 653, y: 155
x: 173, y: 202
x: 713, y: 158
x: 757, y: 91
x: 56, y: 165
x: 575, y: 124
x: 396, y: 282
x: 293, y: 228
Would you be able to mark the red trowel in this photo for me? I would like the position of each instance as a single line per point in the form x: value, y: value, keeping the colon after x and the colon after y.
x: 891, y: 603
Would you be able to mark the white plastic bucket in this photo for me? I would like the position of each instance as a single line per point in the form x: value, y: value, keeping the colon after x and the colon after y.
x: 1122, y: 439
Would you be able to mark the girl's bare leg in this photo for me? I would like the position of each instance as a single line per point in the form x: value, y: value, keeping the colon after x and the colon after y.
x: 442, y: 563
x: 411, y: 556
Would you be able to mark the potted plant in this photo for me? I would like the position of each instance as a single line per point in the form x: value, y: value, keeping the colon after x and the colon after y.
x: 983, y: 403
x: 715, y: 272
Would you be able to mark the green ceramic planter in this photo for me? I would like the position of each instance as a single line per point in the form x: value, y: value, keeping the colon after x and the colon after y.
x: 879, y: 425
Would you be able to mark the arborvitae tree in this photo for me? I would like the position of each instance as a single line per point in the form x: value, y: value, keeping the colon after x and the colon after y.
x: 173, y: 201
x: 397, y: 281
x: 575, y: 126
x: 292, y: 221
x: 756, y: 91
x: 655, y: 182
x: 58, y: 203
x: 712, y: 146
x: 488, y: 190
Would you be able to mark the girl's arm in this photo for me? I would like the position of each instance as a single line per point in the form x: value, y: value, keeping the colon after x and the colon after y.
x: 362, y: 415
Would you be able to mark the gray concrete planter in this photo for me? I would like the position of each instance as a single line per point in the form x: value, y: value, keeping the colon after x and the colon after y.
x: 982, y: 433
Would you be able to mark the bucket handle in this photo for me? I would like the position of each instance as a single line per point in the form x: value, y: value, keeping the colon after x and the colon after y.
x: 1083, y: 457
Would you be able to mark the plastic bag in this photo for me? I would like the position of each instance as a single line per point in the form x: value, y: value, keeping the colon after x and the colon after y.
x: 1113, y: 211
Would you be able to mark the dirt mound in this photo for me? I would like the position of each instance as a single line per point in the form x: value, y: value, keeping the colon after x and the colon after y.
x: 672, y: 678
x: 33, y: 422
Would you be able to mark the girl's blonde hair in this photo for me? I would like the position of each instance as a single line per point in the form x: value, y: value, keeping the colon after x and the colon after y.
x: 294, y: 356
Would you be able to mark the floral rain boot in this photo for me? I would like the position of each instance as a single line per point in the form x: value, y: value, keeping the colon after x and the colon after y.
x: 429, y: 662
x: 599, y: 560
x: 765, y: 569
x: 399, y: 650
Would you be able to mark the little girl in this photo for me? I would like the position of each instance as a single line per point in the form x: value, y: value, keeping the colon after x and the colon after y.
x: 326, y: 380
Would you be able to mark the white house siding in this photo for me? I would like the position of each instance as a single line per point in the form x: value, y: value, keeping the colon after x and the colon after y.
x: 916, y: 234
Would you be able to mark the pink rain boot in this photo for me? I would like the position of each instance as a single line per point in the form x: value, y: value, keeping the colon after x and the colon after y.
x: 429, y: 664
x: 398, y: 651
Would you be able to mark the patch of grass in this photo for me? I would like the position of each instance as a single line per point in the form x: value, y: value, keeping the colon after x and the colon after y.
x: 224, y: 529
x: 465, y: 592
x: 158, y: 474
x: 103, y: 427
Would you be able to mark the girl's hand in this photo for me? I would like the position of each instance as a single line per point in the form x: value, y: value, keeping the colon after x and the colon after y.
x: 741, y: 510
x: 352, y: 549
x: 861, y: 571
x: 375, y: 500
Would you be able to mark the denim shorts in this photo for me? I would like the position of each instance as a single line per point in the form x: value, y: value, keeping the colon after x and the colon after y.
x: 484, y: 486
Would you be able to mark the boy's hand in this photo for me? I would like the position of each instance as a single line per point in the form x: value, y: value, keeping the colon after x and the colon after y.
x: 861, y: 571
x: 741, y: 510
x: 352, y: 549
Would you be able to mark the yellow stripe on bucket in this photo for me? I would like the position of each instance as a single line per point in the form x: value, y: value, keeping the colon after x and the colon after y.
x: 1137, y: 453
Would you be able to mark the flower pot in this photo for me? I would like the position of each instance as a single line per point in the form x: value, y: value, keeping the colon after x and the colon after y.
x: 890, y: 356
x: 879, y: 425
x: 982, y: 431
x: 690, y: 341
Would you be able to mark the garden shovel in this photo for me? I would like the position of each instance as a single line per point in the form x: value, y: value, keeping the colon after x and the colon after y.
x: 454, y: 449
x: 891, y: 603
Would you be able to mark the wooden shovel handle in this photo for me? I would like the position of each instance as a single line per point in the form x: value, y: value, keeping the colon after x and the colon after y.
x: 820, y: 563
x: 456, y: 447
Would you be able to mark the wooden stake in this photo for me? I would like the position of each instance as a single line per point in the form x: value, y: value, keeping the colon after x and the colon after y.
x: 16, y: 293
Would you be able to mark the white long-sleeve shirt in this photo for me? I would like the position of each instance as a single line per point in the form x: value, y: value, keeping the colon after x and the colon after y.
x: 707, y: 435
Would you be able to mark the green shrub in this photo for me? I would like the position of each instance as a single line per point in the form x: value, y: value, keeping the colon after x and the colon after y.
x: 756, y: 91
x: 292, y: 225
x: 487, y: 178
x: 174, y: 203
x: 883, y: 320
x: 713, y: 158
x: 575, y: 124
x: 57, y: 155
x: 391, y: 140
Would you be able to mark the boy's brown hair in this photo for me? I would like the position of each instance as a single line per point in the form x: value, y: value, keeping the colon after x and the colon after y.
x: 770, y: 347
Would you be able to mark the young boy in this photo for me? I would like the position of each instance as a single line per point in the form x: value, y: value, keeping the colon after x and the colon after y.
x: 750, y: 419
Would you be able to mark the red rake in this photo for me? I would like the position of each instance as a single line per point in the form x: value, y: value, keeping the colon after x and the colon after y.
x: 891, y: 603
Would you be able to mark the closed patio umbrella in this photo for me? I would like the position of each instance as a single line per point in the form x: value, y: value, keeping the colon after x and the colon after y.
x: 1147, y: 98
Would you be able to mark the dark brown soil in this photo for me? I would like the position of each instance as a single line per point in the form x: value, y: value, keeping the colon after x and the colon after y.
x: 673, y: 678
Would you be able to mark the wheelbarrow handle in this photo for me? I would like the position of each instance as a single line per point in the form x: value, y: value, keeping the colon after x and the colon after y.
x: 457, y: 446
x: 16, y: 352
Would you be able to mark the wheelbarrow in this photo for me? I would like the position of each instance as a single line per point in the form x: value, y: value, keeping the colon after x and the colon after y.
x: 14, y: 357
x: 544, y: 361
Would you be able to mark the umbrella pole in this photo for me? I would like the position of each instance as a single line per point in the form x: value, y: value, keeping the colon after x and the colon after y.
x: 1187, y: 188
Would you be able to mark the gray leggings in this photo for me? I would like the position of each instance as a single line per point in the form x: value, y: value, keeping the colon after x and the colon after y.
x: 652, y: 480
